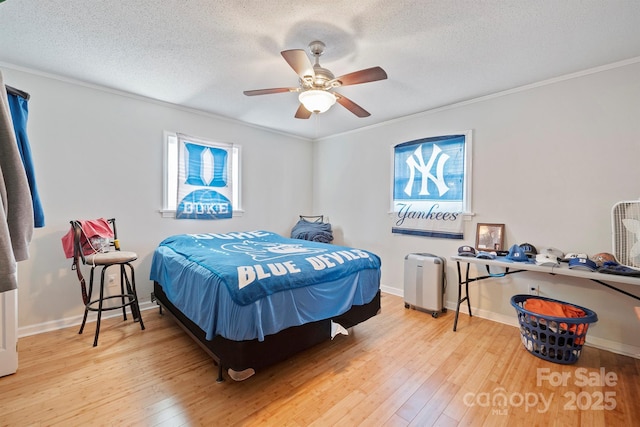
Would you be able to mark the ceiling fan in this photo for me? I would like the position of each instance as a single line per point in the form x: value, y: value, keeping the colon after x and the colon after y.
x: 317, y: 84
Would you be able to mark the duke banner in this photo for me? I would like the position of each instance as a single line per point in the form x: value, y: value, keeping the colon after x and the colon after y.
x: 430, y: 187
x: 204, y: 179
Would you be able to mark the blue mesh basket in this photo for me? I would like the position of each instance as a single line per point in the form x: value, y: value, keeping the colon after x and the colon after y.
x: 556, y: 339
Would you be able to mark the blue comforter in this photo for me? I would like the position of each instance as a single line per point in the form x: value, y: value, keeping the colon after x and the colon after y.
x: 253, y: 265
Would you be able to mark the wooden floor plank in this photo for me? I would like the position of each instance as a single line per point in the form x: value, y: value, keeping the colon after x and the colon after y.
x: 400, y: 368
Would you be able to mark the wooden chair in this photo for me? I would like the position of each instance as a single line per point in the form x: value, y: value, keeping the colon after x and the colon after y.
x: 105, y: 257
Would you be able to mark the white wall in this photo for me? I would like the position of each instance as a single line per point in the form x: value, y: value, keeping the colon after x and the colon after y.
x: 99, y: 153
x: 549, y: 161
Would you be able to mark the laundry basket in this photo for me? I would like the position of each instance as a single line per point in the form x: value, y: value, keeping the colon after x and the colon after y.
x: 556, y: 339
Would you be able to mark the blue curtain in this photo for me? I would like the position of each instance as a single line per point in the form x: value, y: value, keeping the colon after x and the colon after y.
x: 18, y: 105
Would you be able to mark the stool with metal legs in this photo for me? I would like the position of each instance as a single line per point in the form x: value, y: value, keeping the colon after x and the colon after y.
x: 97, y: 257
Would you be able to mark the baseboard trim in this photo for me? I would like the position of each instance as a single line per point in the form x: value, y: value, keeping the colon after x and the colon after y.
x: 602, y: 344
x: 393, y: 291
x: 73, y: 321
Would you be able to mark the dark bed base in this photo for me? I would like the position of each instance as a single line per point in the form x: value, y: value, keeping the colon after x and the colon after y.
x: 250, y: 356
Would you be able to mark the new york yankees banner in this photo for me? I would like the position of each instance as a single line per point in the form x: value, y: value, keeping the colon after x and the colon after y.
x: 430, y: 188
x: 204, y: 179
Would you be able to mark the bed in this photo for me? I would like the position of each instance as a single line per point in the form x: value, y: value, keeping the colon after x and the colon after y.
x: 252, y: 299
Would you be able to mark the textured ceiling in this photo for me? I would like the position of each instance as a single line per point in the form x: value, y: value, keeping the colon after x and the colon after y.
x: 203, y: 54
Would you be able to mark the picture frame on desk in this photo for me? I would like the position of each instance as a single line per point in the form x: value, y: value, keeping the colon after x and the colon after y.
x: 490, y: 237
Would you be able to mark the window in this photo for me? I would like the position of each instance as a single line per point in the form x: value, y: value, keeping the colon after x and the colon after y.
x: 431, y: 186
x: 170, y: 176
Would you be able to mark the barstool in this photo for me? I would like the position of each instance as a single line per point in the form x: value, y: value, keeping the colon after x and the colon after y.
x: 105, y: 257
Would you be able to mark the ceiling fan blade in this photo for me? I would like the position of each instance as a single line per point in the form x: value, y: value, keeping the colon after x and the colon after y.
x: 299, y: 61
x: 351, y: 106
x: 270, y: 91
x: 302, y: 113
x: 363, y: 76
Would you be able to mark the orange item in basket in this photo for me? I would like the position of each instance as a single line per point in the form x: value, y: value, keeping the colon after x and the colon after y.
x: 556, y: 309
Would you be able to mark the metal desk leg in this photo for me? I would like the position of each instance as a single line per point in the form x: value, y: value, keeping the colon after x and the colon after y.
x: 466, y: 284
x: 460, y: 298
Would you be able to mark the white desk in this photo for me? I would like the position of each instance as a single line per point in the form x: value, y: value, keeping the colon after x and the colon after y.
x: 503, y: 267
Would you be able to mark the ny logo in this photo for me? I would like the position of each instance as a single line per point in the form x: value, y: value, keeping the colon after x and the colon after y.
x: 416, y: 162
x: 207, y: 166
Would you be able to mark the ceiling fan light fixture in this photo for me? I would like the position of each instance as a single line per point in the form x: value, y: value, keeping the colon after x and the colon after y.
x: 317, y: 101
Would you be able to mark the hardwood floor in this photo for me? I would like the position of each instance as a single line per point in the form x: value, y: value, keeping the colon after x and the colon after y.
x: 400, y: 368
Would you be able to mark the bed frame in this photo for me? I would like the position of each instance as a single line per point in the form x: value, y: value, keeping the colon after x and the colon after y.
x: 243, y: 358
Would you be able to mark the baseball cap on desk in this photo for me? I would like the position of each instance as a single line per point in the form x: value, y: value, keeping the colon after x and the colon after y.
x: 572, y: 255
x: 516, y: 253
x: 602, y: 257
x: 547, y: 260
x: 553, y: 252
x: 529, y: 250
x: 583, y: 264
x: 612, y: 267
x: 466, y: 251
x: 486, y: 255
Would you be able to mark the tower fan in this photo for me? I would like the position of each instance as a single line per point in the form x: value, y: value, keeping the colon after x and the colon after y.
x: 625, y: 224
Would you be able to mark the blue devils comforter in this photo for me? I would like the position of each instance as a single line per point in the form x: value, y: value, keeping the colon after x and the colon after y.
x: 245, y: 285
